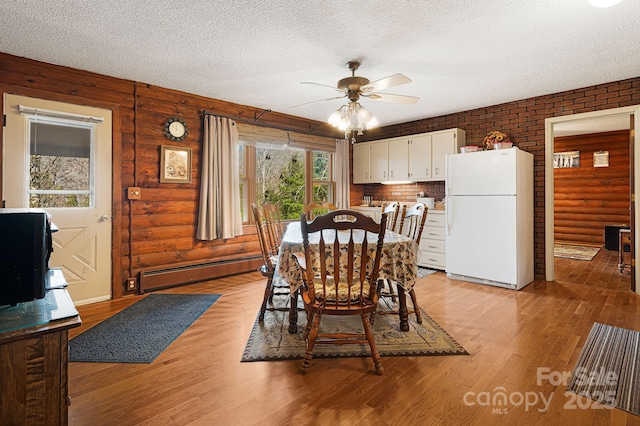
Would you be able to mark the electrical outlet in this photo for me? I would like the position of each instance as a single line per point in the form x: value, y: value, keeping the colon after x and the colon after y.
x: 131, y: 283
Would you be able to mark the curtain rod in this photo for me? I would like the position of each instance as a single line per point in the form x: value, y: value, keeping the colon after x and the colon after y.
x: 256, y: 122
x: 27, y: 110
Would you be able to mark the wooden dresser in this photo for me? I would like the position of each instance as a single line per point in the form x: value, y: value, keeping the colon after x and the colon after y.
x: 34, y: 358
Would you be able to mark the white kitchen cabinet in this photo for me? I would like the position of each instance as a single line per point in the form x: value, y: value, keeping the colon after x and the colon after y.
x: 381, y: 161
x: 419, y: 156
x: 415, y: 158
x: 378, y: 161
x: 398, y: 159
x: 443, y: 143
x: 432, y: 242
x: 361, y: 163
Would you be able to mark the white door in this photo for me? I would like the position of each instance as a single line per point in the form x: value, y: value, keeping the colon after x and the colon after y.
x: 481, y: 237
x: 57, y: 156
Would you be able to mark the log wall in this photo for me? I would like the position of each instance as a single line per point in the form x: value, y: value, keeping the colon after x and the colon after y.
x: 588, y: 198
x: 156, y: 232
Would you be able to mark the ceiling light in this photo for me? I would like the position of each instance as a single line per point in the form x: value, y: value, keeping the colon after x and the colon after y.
x: 352, y: 118
x: 604, y: 3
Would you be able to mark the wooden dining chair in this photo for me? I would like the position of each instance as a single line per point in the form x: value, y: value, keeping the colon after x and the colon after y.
x: 340, y: 276
x: 411, y: 225
x: 317, y: 208
x: 274, y: 222
x: 394, y: 211
x: 269, y: 230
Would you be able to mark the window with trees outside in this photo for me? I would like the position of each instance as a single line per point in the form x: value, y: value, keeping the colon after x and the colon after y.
x: 288, y: 177
x: 60, y: 163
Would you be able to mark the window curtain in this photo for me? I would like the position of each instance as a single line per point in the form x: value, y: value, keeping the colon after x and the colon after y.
x: 341, y: 173
x: 219, y: 213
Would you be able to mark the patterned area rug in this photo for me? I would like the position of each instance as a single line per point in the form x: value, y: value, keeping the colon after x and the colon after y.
x: 575, y: 252
x: 271, y: 341
x: 139, y: 333
x: 608, y: 369
x: 423, y: 272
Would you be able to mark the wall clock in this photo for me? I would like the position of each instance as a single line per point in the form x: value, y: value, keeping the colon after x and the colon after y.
x: 175, y: 129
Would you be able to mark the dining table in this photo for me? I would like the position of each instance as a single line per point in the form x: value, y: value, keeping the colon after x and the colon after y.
x: 398, y: 263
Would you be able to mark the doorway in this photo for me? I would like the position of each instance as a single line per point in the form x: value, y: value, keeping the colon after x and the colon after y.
x: 58, y: 157
x: 594, y: 122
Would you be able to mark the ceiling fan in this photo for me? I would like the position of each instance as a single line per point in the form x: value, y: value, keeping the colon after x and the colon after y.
x: 355, y: 86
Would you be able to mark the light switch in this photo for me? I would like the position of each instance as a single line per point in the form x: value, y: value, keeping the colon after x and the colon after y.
x: 134, y: 193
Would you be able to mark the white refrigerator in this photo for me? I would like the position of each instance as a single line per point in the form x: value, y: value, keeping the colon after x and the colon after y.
x: 489, y: 217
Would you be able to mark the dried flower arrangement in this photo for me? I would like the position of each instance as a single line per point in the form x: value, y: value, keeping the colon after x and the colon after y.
x: 494, y: 137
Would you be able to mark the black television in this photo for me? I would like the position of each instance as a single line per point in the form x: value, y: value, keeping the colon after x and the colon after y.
x: 24, y: 254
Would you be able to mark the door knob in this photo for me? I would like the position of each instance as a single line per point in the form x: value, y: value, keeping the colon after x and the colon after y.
x: 104, y: 218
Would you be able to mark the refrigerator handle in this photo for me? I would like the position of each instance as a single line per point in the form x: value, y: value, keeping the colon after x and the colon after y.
x: 447, y: 189
x: 447, y: 212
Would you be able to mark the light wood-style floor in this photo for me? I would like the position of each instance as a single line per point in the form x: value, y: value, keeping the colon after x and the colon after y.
x: 199, y: 379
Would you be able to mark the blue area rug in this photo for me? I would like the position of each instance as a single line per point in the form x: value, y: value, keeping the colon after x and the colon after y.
x: 139, y: 333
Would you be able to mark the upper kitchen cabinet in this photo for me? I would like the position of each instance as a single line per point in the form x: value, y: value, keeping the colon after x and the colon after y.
x: 415, y: 158
x: 378, y: 161
x: 443, y: 143
x: 361, y: 163
x: 419, y: 156
x: 381, y: 161
x: 398, y: 159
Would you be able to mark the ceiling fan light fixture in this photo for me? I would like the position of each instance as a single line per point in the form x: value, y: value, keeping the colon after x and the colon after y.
x: 352, y: 118
x: 336, y: 117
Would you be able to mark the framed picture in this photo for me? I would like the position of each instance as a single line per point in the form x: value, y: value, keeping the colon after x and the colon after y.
x: 175, y: 164
x: 601, y: 159
x: 563, y: 160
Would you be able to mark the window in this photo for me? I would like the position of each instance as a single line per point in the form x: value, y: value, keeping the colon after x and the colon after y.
x: 323, y: 186
x: 278, y: 175
x: 60, y: 163
x: 244, y: 183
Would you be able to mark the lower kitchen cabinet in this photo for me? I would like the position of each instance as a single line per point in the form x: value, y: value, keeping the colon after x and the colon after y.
x: 432, y: 242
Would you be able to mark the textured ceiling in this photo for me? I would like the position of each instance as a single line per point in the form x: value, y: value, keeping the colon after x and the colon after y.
x: 460, y: 54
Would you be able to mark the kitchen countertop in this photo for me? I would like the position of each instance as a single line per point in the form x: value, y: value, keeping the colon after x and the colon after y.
x: 379, y: 208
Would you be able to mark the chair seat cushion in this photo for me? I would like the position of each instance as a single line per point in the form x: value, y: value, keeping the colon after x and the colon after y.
x: 343, y: 290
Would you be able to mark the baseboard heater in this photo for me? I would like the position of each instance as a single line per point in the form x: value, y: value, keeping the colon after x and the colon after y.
x: 171, y: 277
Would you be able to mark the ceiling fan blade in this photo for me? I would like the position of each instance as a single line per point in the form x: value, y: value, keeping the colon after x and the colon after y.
x: 388, y: 97
x: 319, y: 100
x: 319, y: 84
x: 385, y: 83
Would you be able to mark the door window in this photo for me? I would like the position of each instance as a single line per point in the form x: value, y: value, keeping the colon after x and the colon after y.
x: 60, y: 163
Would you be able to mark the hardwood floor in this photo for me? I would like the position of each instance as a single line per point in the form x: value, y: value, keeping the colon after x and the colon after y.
x: 510, y: 335
x: 601, y: 272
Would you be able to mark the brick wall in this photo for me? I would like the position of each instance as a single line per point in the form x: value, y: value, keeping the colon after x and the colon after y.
x: 405, y: 193
x: 523, y: 120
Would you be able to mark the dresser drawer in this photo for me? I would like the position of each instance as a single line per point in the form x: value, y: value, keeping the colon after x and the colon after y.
x: 432, y: 245
x: 432, y: 233
x: 431, y: 259
x: 434, y: 219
